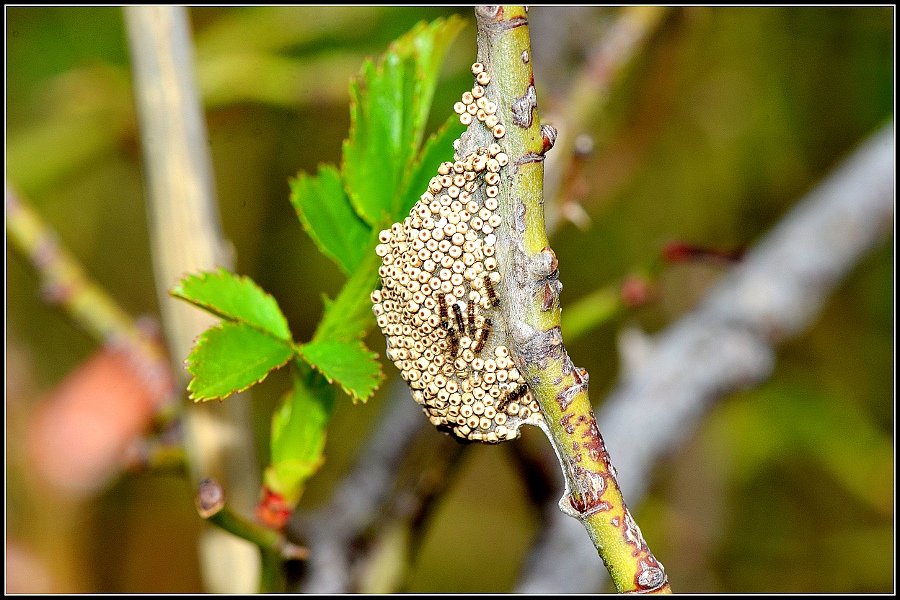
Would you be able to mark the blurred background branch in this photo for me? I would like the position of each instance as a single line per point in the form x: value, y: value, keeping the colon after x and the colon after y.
x: 377, y: 505
x: 573, y: 111
x: 65, y: 284
x: 186, y: 238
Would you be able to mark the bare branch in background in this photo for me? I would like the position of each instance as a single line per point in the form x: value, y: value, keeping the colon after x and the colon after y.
x: 586, y: 98
x: 65, y: 283
x: 186, y: 237
x: 403, y: 468
x: 728, y: 342
x: 331, y: 531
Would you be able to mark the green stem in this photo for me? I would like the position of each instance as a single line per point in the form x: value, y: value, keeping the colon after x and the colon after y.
x: 530, y: 302
x: 271, y: 580
x: 273, y: 547
x: 65, y: 284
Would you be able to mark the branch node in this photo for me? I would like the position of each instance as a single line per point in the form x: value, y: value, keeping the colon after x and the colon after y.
x: 549, y: 134
x: 548, y: 264
x: 210, y: 498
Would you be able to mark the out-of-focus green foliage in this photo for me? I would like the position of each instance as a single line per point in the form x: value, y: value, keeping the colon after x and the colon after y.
x: 726, y: 118
x: 838, y: 437
x: 592, y: 310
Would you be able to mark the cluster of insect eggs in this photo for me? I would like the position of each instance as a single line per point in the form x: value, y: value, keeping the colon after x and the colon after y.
x: 474, y: 104
x: 439, y: 278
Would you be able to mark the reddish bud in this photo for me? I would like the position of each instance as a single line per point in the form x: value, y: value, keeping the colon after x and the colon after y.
x: 675, y: 252
x: 273, y: 511
x: 548, y: 137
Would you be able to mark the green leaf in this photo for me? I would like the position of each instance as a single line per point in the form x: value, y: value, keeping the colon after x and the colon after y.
x: 231, y: 357
x: 351, y: 364
x: 429, y: 43
x: 298, y: 433
x: 350, y: 314
x: 379, y: 146
x: 234, y: 298
x: 389, y: 105
x: 437, y: 149
x: 329, y: 218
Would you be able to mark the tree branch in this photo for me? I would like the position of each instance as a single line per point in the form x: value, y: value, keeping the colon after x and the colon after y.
x: 586, y: 98
x: 529, y: 301
x: 65, y: 284
x: 728, y: 342
x: 186, y: 237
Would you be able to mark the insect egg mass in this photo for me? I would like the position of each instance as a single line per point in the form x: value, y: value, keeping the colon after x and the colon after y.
x: 438, y: 305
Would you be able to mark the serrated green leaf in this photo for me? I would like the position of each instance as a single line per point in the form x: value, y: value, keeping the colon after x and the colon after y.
x: 389, y: 106
x: 350, y: 364
x: 429, y: 43
x: 329, y: 218
x: 349, y: 315
x: 380, y: 141
x: 231, y: 357
x: 437, y: 149
x: 298, y: 433
x: 234, y: 298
